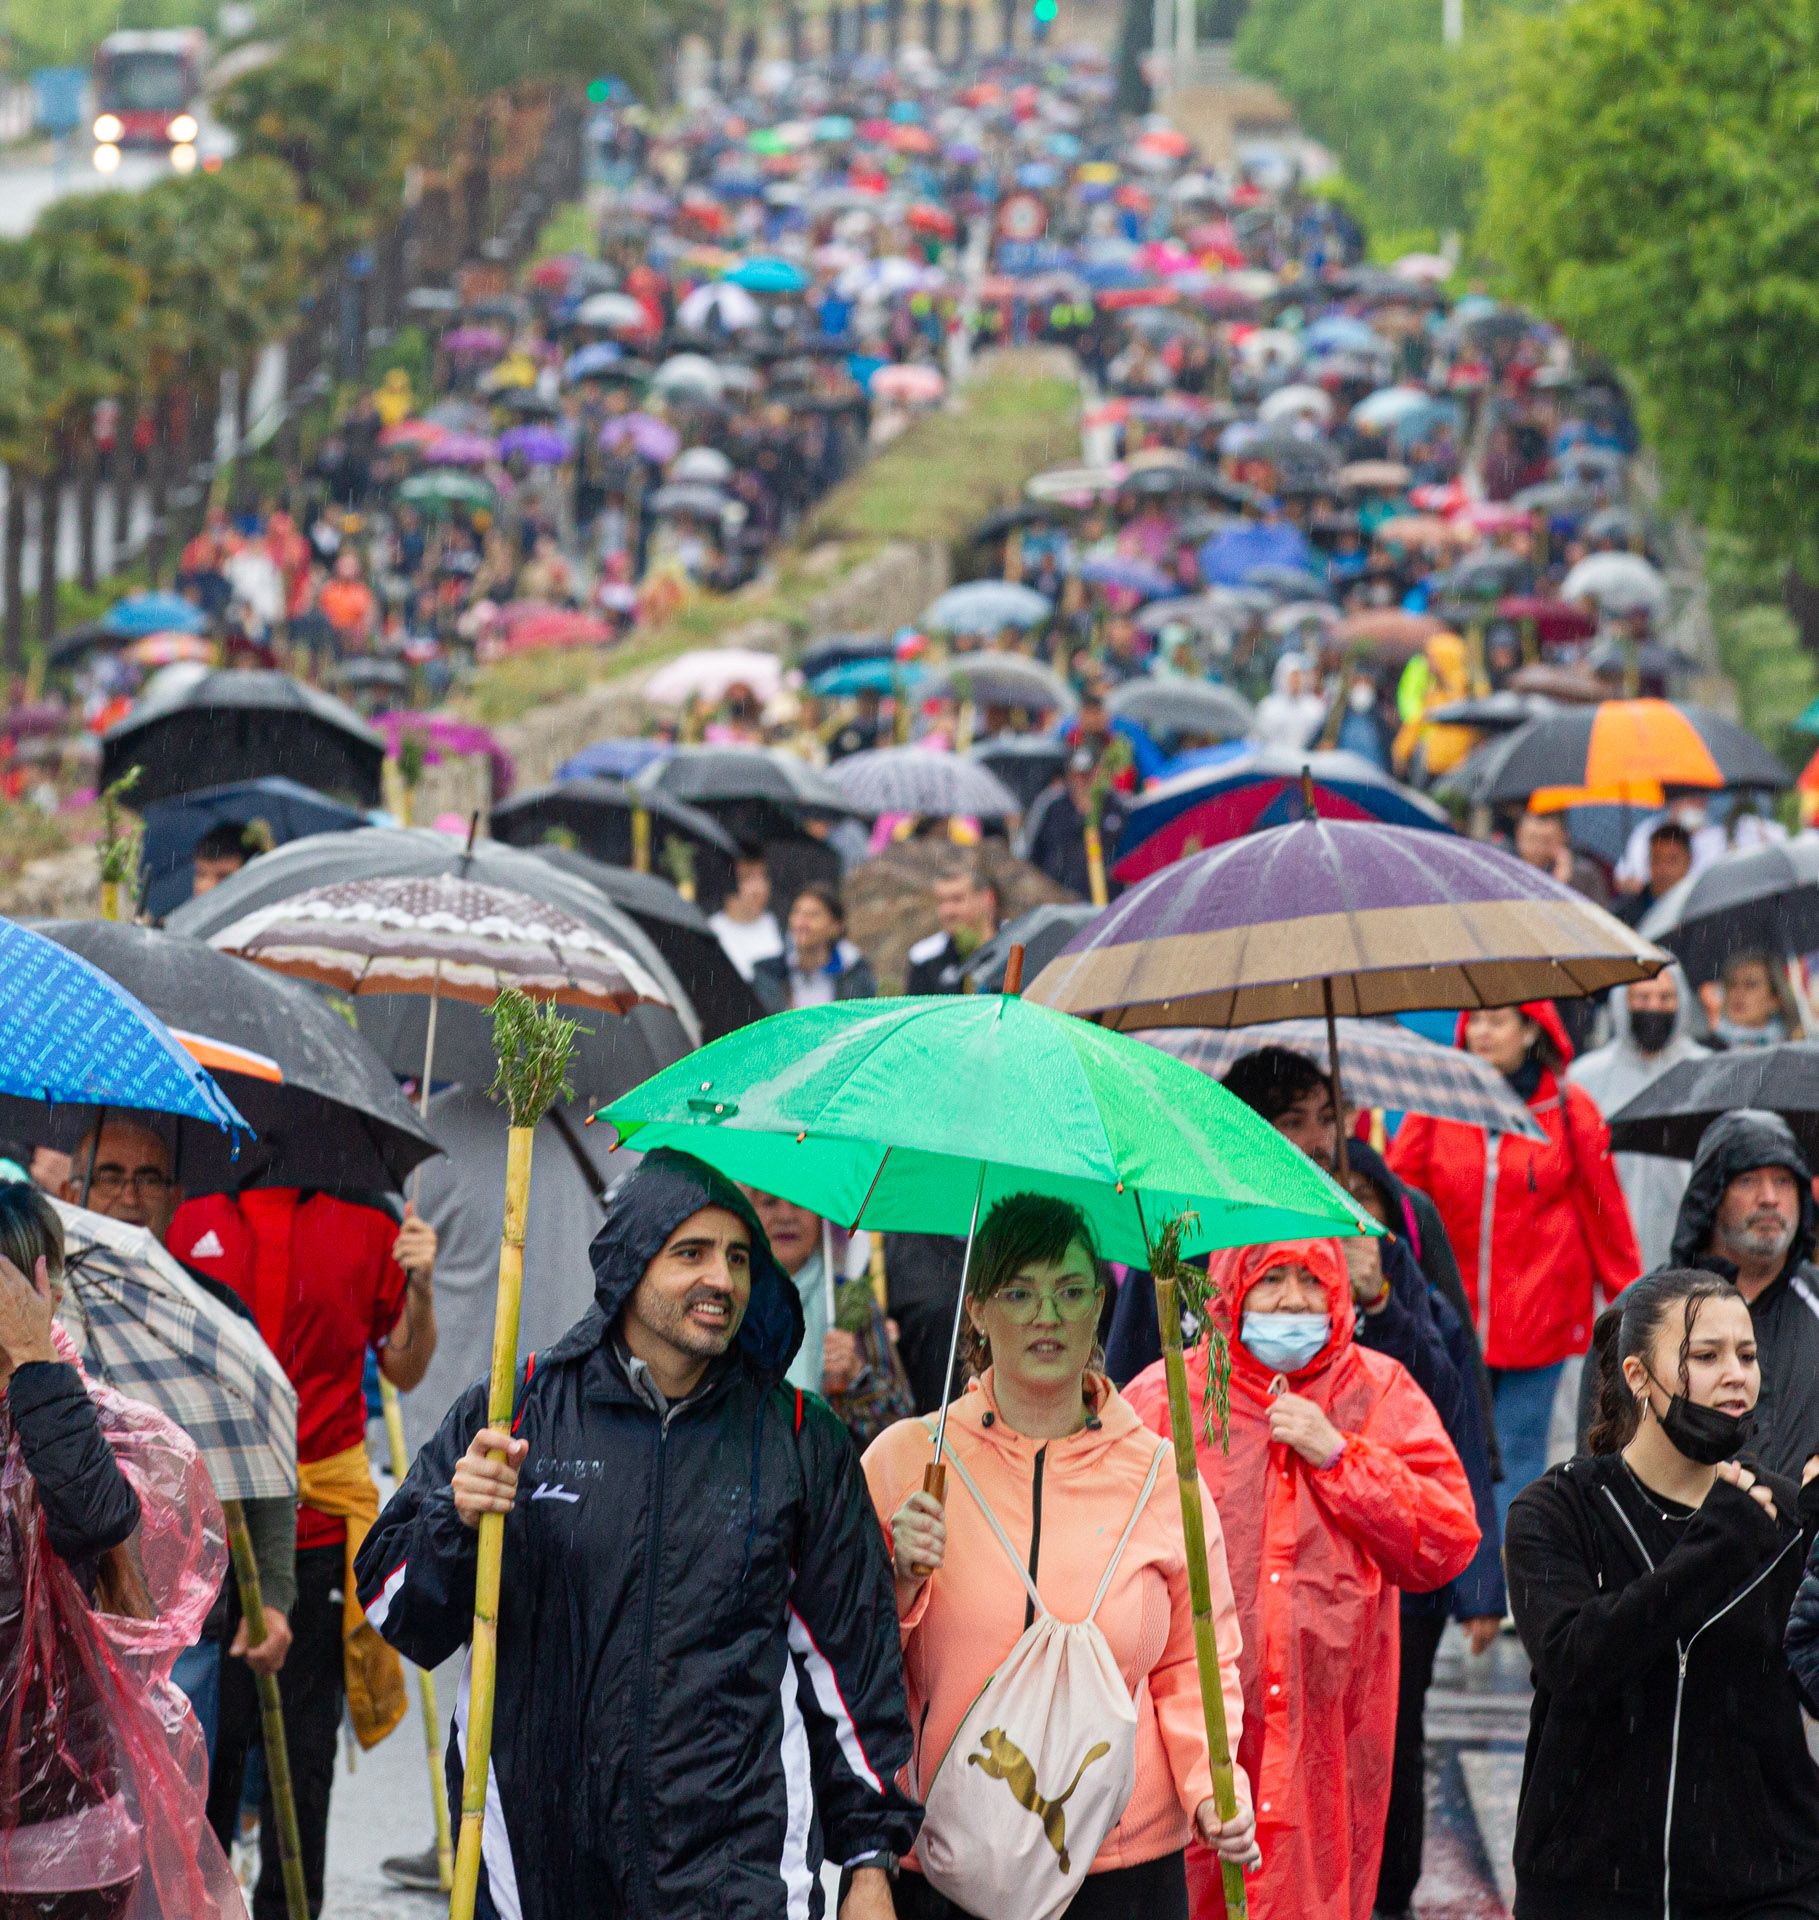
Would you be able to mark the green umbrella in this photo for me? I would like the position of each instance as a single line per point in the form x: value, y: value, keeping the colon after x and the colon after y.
x: 444, y: 489
x: 919, y: 1113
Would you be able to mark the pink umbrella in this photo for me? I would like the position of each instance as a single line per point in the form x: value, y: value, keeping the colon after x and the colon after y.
x: 474, y: 343
x: 1493, y: 517
x: 646, y: 435
x: 558, y: 627
x: 912, y: 386
x: 460, y: 450
x: 412, y: 433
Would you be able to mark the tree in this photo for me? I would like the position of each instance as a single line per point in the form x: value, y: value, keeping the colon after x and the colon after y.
x: 1648, y: 185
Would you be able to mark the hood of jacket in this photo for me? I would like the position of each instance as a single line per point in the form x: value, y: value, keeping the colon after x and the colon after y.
x: 1738, y: 1143
x: 1237, y: 1271
x: 647, y: 1207
x: 1619, y: 1070
x: 1553, y: 1032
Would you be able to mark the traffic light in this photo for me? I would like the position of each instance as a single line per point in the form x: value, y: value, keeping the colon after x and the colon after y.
x: 599, y: 92
x: 1042, y: 15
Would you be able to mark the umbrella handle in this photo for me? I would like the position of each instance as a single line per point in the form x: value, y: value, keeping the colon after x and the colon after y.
x: 934, y: 1480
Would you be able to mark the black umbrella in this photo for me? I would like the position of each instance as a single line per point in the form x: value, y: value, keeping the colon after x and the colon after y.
x: 325, y: 1111
x: 1041, y: 932
x: 244, y: 725
x: 1500, y: 712
x: 599, y: 814
x: 721, y: 777
x: 614, y: 1057
x: 1013, y: 519
x: 679, y: 930
x: 1763, y: 901
x: 843, y: 650
x: 1025, y: 762
x: 1168, y: 709
x: 1670, y: 1116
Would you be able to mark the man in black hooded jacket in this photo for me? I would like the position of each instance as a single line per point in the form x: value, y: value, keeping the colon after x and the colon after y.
x: 699, y: 1690
x: 1748, y: 1214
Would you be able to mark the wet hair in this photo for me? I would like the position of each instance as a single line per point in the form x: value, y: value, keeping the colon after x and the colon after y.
x: 1742, y: 962
x: 1022, y: 1230
x: 225, y: 840
x: 30, y: 1230
x: 1272, y: 1080
x: 1628, y: 1330
x: 829, y: 898
x: 1670, y: 833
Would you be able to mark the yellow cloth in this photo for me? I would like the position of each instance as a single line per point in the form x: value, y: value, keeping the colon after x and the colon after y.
x: 342, y: 1486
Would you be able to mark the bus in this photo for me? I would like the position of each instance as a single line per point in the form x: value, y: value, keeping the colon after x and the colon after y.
x: 148, y: 88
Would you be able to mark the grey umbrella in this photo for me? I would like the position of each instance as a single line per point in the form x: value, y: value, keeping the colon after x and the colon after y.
x: 619, y: 1052
x: 931, y: 785
x: 1167, y: 709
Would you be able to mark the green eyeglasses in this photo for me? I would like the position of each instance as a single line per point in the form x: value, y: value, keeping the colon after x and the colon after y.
x: 1071, y: 1300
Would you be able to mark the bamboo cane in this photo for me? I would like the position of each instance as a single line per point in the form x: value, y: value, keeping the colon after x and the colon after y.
x: 534, y: 1044
x: 492, y: 1528
x: 271, y: 1715
x: 1200, y: 1588
x: 641, y: 840
x: 1095, y: 864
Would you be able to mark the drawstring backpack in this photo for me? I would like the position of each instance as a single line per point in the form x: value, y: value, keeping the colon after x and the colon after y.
x: 1043, y: 1762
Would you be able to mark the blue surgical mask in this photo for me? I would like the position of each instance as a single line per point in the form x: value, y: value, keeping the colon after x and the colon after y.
x: 1285, y: 1342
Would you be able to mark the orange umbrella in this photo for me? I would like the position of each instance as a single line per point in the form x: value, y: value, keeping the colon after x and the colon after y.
x: 1620, y: 746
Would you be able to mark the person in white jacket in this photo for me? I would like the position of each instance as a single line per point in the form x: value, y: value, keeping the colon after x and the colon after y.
x: 1651, y: 1022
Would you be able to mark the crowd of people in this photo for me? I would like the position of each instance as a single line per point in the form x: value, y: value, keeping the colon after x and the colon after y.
x: 1343, y: 544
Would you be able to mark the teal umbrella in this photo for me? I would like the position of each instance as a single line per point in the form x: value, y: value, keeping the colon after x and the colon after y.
x: 918, y: 1114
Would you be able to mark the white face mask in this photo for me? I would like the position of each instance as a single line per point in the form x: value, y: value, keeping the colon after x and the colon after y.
x: 1363, y: 698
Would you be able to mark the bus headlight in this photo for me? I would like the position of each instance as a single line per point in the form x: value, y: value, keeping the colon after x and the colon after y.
x: 183, y: 129
x: 107, y: 158
x: 108, y: 129
x: 183, y: 158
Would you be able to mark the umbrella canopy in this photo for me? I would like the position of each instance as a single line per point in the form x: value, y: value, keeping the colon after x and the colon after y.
x: 1670, y: 1115
x: 866, y: 676
x: 440, y: 933
x: 1231, y: 791
x: 71, y: 1036
x: 144, y: 1327
x: 1500, y: 712
x: 721, y: 303
x: 930, y: 785
x: 1041, y: 932
x: 1230, y: 558
x: 711, y: 673
x: 1382, y: 1065
x: 767, y: 274
x: 325, y: 1110
x: 1025, y: 762
x: 679, y: 930
x: 1619, y: 583
x: 613, y: 1055
x: 986, y: 606
x: 707, y: 466
x: 1169, y: 709
x: 612, y: 759
x: 285, y: 809
x: 1129, y: 576
x: 598, y: 814
x: 644, y: 434
x: 1385, y: 918
x: 911, y: 1113
x: 244, y: 725
x: 617, y: 312
x: 1000, y: 680
x: 144, y: 613
x: 1623, y: 744
x: 536, y: 446
x: 1387, y: 632
x: 1763, y: 901
x: 440, y: 492
x: 722, y: 776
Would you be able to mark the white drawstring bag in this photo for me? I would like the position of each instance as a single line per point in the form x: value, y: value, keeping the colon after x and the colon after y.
x: 1043, y: 1763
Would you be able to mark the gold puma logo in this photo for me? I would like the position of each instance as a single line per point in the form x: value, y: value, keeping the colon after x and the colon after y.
x: 1003, y: 1760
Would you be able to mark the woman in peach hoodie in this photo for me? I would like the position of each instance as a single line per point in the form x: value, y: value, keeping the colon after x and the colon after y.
x: 1061, y: 1461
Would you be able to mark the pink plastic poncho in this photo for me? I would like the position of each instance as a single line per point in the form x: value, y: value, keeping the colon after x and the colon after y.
x: 103, y: 1768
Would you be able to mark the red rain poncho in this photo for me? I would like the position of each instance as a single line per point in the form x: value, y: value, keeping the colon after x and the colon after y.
x: 103, y: 1769
x: 1316, y: 1557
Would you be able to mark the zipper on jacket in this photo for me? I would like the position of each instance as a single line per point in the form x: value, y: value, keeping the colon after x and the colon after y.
x: 652, y: 1565
x: 1029, y: 1605
x: 1684, y: 1649
x: 1487, y: 1226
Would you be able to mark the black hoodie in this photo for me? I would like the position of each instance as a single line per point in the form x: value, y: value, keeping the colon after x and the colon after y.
x: 700, y: 1690
x: 1786, y: 1313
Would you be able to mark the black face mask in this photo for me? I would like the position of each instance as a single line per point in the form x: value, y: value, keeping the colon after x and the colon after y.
x: 1652, y: 1031
x: 1704, y: 1434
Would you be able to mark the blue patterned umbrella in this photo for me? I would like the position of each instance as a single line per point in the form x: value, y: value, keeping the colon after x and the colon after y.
x: 71, y: 1036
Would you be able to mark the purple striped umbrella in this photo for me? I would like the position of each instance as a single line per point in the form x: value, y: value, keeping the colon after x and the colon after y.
x: 1338, y: 917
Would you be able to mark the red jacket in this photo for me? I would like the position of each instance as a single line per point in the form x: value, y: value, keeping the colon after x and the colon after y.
x: 1535, y: 1227
x: 1317, y: 1555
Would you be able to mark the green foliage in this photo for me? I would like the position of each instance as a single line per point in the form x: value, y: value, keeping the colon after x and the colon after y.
x: 65, y: 33
x: 534, y: 1044
x: 120, y: 837
x: 355, y: 97
x: 1648, y: 178
x: 1194, y: 1291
